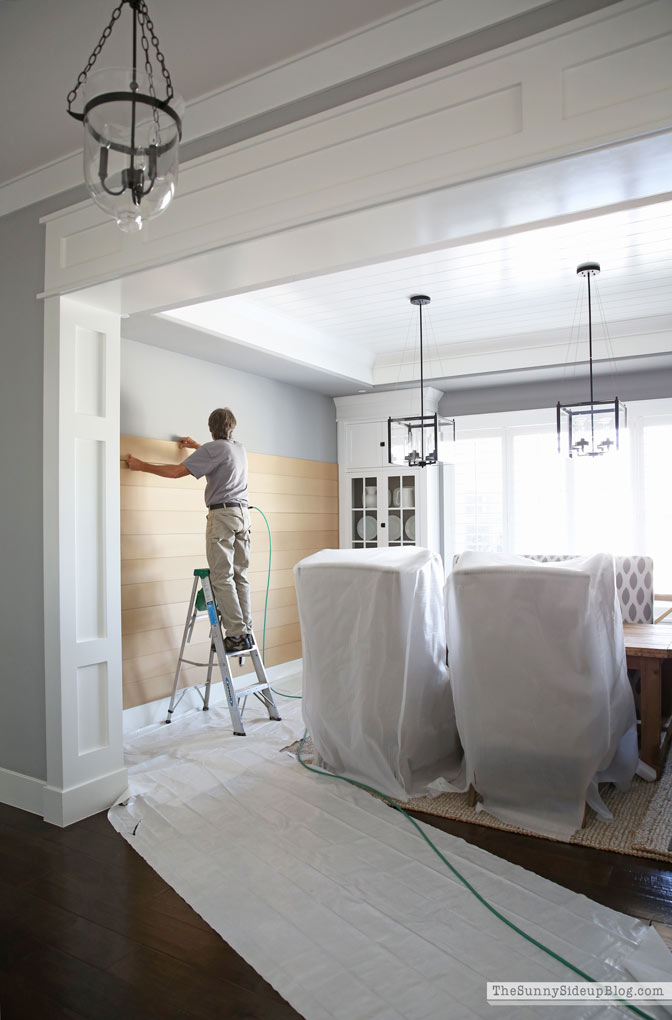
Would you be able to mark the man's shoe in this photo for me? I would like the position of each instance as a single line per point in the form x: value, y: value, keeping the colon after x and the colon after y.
x: 238, y: 643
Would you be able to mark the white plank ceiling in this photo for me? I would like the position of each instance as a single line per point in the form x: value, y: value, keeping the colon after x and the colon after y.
x: 508, y: 302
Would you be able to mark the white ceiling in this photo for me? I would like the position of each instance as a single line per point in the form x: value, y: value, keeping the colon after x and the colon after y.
x: 512, y: 302
x: 490, y: 298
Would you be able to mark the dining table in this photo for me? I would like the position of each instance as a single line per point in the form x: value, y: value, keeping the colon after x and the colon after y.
x: 648, y: 646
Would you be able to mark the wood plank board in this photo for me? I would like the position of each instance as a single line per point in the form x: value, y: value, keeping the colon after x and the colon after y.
x: 160, y: 546
x: 297, y: 485
x: 158, y: 593
x: 172, y: 568
x: 186, y: 522
x: 175, y: 614
x: 269, y: 464
x: 160, y: 500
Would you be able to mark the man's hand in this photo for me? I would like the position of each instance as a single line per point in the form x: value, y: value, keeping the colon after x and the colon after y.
x: 187, y: 441
x: 133, y: 463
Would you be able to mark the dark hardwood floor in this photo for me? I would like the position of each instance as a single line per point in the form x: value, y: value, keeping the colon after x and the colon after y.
x: 88, y: 930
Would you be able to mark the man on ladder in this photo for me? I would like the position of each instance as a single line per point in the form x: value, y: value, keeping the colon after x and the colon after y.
x: 224, y: 463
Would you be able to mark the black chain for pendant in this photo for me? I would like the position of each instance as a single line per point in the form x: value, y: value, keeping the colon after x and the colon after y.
x: 145, y: 20
x: 107, y: 32
x: 149, y: 70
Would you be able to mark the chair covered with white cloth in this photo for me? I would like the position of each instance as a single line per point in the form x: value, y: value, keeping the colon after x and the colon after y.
x: 542, y: 700
x: 377, y: 700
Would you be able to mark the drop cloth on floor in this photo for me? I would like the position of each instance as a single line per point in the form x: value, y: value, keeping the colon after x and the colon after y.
x: 335, y: 899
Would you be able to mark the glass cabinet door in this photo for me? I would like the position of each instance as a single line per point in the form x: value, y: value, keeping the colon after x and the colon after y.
x: 364, y: 513
x: 401, y: 503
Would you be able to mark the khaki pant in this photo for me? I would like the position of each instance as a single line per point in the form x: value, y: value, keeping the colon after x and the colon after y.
x: 227, y: 546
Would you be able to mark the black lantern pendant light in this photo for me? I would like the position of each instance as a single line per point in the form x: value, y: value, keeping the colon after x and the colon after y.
x: 419, y: 439
x: 591, y: 428
x: 131, y: 135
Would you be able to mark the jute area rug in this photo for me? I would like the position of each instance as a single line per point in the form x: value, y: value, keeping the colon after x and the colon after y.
x: 642, y: 824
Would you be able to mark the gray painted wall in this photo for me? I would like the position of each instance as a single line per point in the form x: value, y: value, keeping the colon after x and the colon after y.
x: 164, y: 394
x: 22, y: 699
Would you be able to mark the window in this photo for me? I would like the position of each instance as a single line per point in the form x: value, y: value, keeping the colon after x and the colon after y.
x: 539, y: 494
x: 515, y: 493
x: 479, y: 492
x: 601, y: 512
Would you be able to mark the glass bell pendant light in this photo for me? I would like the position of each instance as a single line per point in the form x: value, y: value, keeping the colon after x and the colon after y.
x: 131, y: 135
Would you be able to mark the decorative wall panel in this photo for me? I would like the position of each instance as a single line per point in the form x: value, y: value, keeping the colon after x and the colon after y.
x: 92, y: 720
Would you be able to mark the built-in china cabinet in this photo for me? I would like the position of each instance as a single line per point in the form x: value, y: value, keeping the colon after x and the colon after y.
x: 383, y: 504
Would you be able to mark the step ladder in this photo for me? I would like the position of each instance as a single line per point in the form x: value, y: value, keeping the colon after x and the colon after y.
x: 202, y: 603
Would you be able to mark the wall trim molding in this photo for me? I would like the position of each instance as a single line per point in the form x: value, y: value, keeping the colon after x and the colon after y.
x: 20, y: 791
x: 377, y: 57
x: 466, y: 126
x: 63, y: 807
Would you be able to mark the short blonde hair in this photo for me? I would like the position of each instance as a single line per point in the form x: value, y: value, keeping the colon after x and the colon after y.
x: 222, y: 422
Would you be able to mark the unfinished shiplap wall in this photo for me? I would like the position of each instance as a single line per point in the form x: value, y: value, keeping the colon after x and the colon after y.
x: 163, y: 539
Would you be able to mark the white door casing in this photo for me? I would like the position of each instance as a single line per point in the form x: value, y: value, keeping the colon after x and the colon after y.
x: 82, y: 611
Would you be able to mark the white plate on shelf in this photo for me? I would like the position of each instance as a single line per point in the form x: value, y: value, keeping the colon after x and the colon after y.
x: 408, y: 497
x: 395, y: 528
x: 396, y: 497
x: 366, y: 527
x: 409, y: 528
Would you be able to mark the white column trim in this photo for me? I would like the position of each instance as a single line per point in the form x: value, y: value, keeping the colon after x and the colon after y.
x: 82, y: 611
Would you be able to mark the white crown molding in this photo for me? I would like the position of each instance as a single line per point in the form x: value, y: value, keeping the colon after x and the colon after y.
x: 436, y: 22
x: 381, y: 404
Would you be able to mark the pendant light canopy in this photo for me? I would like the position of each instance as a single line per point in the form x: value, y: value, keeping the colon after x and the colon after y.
x: 592, y: 428
x: 131, y: 135
x: 419, y: 439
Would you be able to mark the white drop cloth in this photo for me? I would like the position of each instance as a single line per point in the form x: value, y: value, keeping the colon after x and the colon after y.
x: 335, y: 899
x: 377, y: 697
x: 543, y: 703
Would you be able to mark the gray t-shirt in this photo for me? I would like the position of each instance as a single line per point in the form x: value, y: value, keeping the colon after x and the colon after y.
x: 224, y: 463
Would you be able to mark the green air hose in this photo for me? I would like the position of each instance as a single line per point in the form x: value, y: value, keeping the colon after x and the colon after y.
x: 280, y: 694
x: 397, y: 807
x: 463, y: 880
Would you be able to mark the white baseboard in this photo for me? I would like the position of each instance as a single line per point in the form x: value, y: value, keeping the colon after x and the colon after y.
x: 156, y: 711
x: 63, y: 807
x: 21, y: 791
